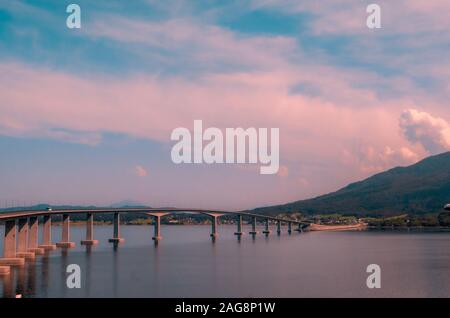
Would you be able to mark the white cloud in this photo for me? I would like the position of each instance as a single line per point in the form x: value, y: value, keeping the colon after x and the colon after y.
x: 433, y: 133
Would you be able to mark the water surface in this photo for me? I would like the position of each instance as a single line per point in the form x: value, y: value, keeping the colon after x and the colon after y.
x: 187, y: 264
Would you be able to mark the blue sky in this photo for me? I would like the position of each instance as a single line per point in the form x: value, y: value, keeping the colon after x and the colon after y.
x: 84, y: 111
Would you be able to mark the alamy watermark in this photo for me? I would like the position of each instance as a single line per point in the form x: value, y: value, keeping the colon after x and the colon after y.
x: 74, y: 278
x: 374, y: 279
x: 373, y: 21
x: 249, y: 145
x: 73, y: 21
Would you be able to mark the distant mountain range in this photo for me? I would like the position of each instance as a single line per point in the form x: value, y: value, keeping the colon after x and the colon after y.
x: 43, y: 206
x: 128, y: 204
x: 417, y: 189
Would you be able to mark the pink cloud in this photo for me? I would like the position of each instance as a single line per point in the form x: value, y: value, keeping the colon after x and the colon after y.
x: 79, y: 109
x: 370, y: 159
x: 140, y: 171
x: 199, y: 42
x: 334, y: 137
x: 283, y: 171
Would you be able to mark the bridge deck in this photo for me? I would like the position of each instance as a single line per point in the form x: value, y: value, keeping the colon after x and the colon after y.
x: 29, y: 213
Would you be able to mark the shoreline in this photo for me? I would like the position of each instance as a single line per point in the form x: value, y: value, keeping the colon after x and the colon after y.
x: 313, y: 227
x: 320, y: 227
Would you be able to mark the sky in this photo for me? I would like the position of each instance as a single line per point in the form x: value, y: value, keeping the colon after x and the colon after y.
x: 86, y: 114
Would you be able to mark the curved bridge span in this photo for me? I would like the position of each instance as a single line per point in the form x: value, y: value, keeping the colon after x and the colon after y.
x: 21, y: 238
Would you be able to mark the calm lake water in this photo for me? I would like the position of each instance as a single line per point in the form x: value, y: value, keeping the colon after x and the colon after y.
x: 187, y: 264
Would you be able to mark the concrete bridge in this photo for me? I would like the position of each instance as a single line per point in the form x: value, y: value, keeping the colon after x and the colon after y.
x: 21, y: 229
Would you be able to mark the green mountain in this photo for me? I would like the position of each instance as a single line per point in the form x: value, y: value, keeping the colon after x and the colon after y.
x: 417, y: 189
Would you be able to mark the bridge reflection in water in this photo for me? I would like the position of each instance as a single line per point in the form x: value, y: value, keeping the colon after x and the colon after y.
x: 21, y: 238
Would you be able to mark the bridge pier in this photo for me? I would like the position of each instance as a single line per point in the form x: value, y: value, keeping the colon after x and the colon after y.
x: 65, y: 233
x: 116, y: 235
x: 299, y: 228
x: 8, y: 286
x: 157, y: 228
x: 33, y: 236
x: 278, y: 227
x: 5, y: 270
x: 253, y: 231
x: 47, y: 234
x: 157, y: 225
x: 239, y: 225
x: 22, y: 245
x: 214, y: 227
x: 214, y: 216
x: 289, y: 228
x: 266, y: 227
x: 9, y: 246
x: 89, y: 241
